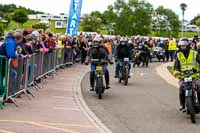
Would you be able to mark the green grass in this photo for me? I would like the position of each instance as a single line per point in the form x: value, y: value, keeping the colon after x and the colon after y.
x: 188, y: 34
x: 13, y: 26
x: 53, y: 29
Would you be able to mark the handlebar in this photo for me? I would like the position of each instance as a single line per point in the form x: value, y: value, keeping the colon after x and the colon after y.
x: 98, y: 61
x: 189, y: 72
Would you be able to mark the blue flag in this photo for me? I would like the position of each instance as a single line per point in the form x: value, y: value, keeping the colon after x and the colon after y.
x: 74, y: 17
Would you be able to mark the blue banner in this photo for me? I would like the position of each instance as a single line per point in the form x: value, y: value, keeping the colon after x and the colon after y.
x: 74, y: 17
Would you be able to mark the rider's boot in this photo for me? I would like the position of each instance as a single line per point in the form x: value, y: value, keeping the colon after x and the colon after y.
x: 107, y: 80
x: 92, y: 83
x: 107, y: 86
x: 92, y: 89
x: 182, y: 108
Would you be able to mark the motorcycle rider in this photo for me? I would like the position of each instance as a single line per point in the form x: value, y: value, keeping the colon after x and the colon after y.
x: 98, y: 51
x: 122, y: 51
x: 145, y: 54
x: 186, y: 58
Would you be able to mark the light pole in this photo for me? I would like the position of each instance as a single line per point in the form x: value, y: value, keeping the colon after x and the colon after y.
x: 183, y: 8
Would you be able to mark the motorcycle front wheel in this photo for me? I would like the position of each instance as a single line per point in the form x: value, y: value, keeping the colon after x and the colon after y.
x: 191, y: 109
x: 99, y: 87
x: 126, y: 77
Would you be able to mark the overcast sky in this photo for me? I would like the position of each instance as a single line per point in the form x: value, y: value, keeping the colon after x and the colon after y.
x: 62, y: 6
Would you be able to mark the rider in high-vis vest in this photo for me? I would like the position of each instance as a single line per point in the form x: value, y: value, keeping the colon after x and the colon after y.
x: 186, y: 58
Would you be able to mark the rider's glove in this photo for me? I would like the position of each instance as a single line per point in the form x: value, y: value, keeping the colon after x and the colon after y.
x: 177, y: 75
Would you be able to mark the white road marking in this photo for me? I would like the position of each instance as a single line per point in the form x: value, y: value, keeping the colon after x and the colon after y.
x: 67, y: 109
x: 62, y: 97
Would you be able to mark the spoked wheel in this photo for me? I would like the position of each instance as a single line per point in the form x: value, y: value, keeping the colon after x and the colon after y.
x: 191, y: 109
x: 99, y: 87
x: 126, y: 77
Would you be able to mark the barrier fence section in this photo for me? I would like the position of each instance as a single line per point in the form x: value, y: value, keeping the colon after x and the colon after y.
x: 19, y: 75
x: 3, y: 78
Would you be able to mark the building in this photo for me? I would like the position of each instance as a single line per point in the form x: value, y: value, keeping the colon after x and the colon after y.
x: 62, y: 17
x: 60, y: 25
x: 190, y: 28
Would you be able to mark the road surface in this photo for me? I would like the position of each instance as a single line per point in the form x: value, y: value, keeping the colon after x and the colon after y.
x: 147, y: 105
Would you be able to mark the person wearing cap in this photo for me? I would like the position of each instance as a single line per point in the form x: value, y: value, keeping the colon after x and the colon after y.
x: 186, y: 58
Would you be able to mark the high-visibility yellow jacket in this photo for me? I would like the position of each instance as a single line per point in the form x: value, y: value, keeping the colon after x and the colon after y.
x: 172, y: 45
x: 188, y: 63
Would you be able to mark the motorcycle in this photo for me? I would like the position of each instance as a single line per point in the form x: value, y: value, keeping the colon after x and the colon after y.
x: 191, y: 94
x: 161, y: 54
x: 124, y: 71
x: 158, y: 53
x: 137, y: 58
x: 99, y: 75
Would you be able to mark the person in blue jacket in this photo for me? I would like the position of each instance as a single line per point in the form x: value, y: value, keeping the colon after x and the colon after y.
x: 9, y: 47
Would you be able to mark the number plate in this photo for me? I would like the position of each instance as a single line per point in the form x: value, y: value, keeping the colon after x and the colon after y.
x: 99, y: 68
x: 126, y: 59
x: 188, y: 79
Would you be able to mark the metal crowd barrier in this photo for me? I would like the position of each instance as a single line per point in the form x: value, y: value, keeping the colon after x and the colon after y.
x: 19, y: 75
x: 68, y: 56
x: 3, y: 78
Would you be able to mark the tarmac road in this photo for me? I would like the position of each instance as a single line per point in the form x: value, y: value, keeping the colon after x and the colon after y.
x: 147, y: 105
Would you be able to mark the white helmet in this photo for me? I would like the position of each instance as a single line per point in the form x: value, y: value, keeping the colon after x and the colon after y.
x: 183, y: 42
x: 130, y: 42
x: 122, y: 39
x: 97, y: 39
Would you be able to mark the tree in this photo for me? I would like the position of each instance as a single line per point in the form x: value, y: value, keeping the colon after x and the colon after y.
x: 10, y: 8
x: 109, y: 15
x: 20, y: 16
x: 91, y: 23
x: 1, y: 29
x: 40, y: 26
x: 193, y: 21
x: 165, y: 22
x: 133, y: 17
x: 198, y: 22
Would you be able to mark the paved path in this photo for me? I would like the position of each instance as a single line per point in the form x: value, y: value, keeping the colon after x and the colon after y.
x: 55, y: 109
x: 147, y: 105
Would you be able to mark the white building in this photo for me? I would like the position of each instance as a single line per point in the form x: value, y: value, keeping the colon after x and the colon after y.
x: 191, y: 28
x: 60, y: 25
x: 32, y: 16
x: 46, y: 22
x: 48, y: 17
